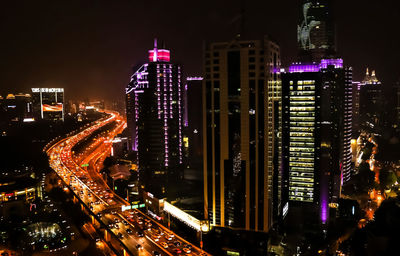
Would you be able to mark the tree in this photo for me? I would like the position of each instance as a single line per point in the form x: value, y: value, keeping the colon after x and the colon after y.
x: 387, y: 178
x: 364, y: 180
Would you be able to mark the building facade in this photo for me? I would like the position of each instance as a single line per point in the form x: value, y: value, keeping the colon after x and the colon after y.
x: 155, y: 120
x: 48, y: 103
x: 241, y: 133
x: 317, y: 126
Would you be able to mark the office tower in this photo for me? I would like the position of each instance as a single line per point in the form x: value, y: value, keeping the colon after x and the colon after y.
x: 241, y: 127
x: 155, y: 120
x: 48, y: 103
x: 316, y: 134
x: 371, y: 100
x: 316, y: 30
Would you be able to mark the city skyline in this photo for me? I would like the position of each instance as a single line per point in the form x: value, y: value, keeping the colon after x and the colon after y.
x: 45, y: 39
x: 200, y: 128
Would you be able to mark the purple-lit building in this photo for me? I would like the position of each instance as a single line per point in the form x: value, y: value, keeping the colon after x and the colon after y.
x: 317, y: 127
x: 155, y: 120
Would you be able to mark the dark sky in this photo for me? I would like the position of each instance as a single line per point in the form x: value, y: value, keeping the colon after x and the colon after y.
x: 89, y: 47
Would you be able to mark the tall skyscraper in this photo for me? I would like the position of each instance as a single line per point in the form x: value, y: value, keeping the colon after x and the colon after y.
x: 317, y: 100
x: 241, y: 127
x: 155, y: 120
x: 316, y: 30
x: 48, y: 103
x: 371, y: 100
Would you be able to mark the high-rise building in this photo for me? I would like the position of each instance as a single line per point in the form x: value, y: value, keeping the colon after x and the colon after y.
x: 155, y: 120
x: 371, y: 100
x: 317, y: 110
x: 194, y: 122
x: 48, y: 103
x: 241, y: 127
x: 316, y: 30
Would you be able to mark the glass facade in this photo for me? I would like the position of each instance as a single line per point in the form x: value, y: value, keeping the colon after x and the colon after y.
x: 301, y: 142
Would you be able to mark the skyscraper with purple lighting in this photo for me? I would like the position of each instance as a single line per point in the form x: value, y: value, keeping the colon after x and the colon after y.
x: 317, y: 110
x: 155, y: 120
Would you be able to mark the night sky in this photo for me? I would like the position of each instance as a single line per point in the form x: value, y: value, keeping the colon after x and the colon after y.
x: 90, y: 47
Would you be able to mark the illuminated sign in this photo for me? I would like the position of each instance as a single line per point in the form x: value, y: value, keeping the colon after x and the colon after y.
x: 194, y: 78
x: 159, y: 55
x: 27, y: 120
x: 52, y: 108
x: 47, y: 89
x: 185, y: 217
x: 133, y: 206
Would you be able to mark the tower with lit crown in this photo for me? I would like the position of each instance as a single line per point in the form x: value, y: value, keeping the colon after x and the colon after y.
x: 155, y: 120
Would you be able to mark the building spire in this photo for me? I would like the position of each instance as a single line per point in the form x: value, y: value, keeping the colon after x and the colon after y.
x: 367, y: 72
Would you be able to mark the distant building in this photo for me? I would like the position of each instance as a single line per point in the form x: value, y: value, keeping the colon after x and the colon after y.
x: 16, y: 108
x: 241, y: 134
x: 316, y: 135
x: 316, y: 30
x: 48, y: 103
x: 371, y: 100
x: 154, y: 100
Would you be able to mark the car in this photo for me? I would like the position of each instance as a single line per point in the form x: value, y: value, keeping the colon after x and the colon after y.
x: 177, y: 250
x: 120, y: 235
x: 156, y: 253
x: 177, y: 243
x: 186, y: 250
x: 188, y: 246
x: 125, y: 222
x: 139, y: 247
x: 168, y: 237
x: 140, y: 234
x: 164, y: 244
x: 110, y: 225
x: 129, y: 231
x: 98, y: 215
x: 96, y: 237
x: 155, y: 238
x: 116, y: 220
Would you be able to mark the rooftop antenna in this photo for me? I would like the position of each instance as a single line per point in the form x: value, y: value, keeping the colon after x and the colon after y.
x: 155, y: 54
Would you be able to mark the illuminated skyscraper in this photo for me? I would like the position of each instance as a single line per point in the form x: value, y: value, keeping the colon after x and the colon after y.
x: 241, y: 127
x: 317, y: 110
x: 316, y: 31
x: 155, y: 119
